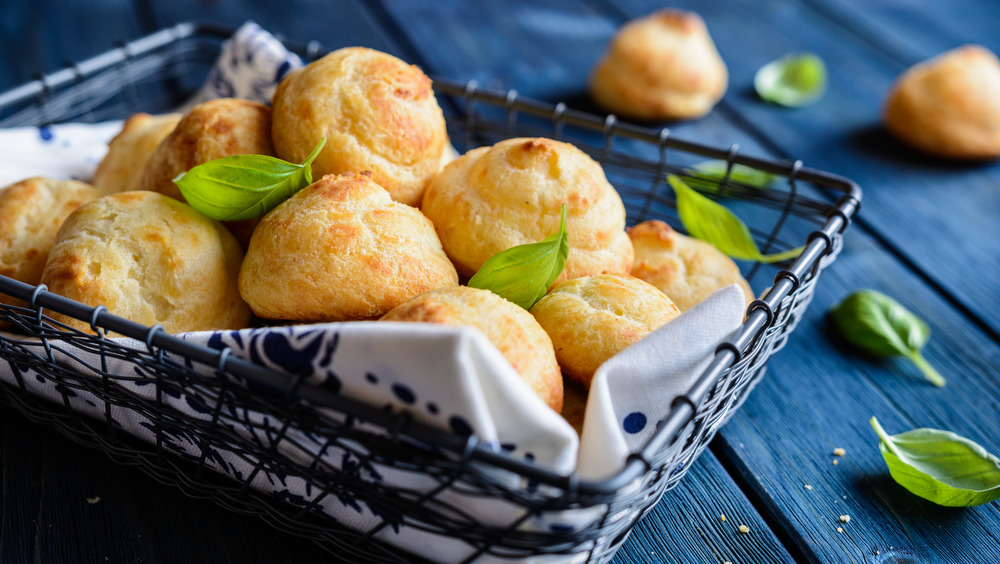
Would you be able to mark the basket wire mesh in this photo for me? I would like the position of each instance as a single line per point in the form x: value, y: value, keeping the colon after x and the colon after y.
x: 156, y: 73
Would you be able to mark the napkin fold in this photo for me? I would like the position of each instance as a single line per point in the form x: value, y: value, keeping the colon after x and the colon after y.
x: 453, y: 378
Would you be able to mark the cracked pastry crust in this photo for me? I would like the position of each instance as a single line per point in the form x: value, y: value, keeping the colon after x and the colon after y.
x: 494, y: 198
x: 593, y: 318
x: 341, y: 249
x: 684, y: 268
x: 31, y: 212
x: 378, y: 114
x: 151, y: 259
x: 513, y: 331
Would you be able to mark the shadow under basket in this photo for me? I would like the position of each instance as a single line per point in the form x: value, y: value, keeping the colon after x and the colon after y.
x: 85, y: 401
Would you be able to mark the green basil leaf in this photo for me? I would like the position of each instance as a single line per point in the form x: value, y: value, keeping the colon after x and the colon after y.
x: 794, y: 80
x: 244, y: 186
x: 879, y: 325
x: 707, y: 176
x: 712, y: 222
x: 523, y: 274
x: 941, y: 466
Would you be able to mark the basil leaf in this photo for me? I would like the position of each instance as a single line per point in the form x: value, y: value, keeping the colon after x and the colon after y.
x: 881, y: 326
x: 712, y: 222
x: 523, y: 274
x: 707, y: 176
x: 244, y: 186
x: 941, y: 466
x: 794, y: 80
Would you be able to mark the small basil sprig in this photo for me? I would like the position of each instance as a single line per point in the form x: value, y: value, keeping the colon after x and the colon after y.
x: 244, y: 186
x: 706, y: 176
x: 794, y: 80
x: 523, y: 274
x: 881, y: 326
x: 941, y: 466
x: 712, y: 222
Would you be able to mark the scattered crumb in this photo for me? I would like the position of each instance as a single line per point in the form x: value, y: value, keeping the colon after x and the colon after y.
x: 877, y: 552
x: 722, y: 518
x: 93, y: 500
x: 840, y: 529
x: 843, y: 497
x: 744, y: 529
x: 845, y: 518
x: 808, y: 487
x: 834, y: 461
x: 839, y: 452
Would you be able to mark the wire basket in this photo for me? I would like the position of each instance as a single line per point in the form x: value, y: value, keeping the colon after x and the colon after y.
x: 157, y: 73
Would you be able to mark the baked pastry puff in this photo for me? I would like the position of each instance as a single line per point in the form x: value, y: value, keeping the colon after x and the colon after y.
x: 122, y: 167
x: 494, y: 198
x: 684, y: 268
x: 513, y: 331
x: 341, y: 249
x: 660, y: 67
x: 593, y: 318
x: 949, y: 106
x: 211, y: 130
x: 31, y: 212
x: 378, y: 114
x: 151, y: 259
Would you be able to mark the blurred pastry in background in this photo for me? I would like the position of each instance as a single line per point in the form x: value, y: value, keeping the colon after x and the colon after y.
x: 150, y: 259
x: 949, y: 105
x: 593, y: 318
x: 31, y: 212
x: 660, y: 67
x: 378, y: 114
x: 339, y: 250
x: 513, y: 331
x: 121, y: 169
x: 684, y: 268
x: 494, y: 198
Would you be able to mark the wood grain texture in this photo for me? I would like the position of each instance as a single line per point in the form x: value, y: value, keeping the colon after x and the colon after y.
x: 687, y: 525
x: 42, y: 36
x: 923, y: 220
x: 819, y: 395
x: 937, y: 215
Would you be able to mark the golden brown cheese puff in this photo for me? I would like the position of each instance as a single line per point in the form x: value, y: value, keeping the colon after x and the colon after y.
x: 513, y: 331
x: 151, y: 259
x: 949, y: 105
x: 660, y: 67
x: 121, y: 169
x: 377, y: 113
x: 593, y: 318
x: 31, y: 212
x: 341, y: 249
x: 493, y: 198
x: 211, y: 130
x: 684, y: 268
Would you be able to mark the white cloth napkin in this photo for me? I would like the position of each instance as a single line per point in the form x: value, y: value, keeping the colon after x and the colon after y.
x: 449, y: 377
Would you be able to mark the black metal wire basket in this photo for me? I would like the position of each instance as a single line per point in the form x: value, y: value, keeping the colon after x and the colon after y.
x: 157, y: 73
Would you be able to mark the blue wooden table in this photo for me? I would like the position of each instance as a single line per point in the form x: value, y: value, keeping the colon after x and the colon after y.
x: 928, y: 235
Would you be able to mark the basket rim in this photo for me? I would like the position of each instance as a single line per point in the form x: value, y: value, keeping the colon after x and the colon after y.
x: 760, y: 314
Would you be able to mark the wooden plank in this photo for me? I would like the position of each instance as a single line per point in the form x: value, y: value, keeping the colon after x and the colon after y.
x: 66, y: 503
x: 819, y: 395
x: 908, y: 196
x: 333, y: 25
x: 41, y: 36
x: 687, y: 526
x: 913, y: 31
